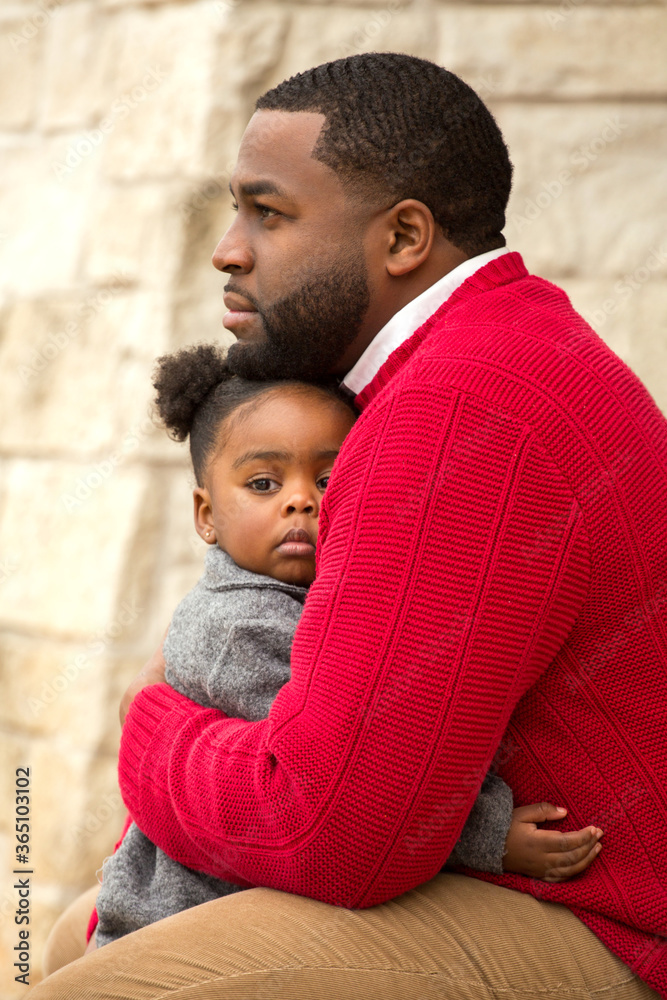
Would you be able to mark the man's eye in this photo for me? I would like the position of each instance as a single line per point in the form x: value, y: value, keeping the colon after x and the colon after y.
x: 235, y: 207
x: 262, y: 485
x: 265, y: 211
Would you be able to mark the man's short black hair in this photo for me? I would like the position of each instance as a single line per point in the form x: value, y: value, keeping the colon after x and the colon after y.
x: 401, y: 127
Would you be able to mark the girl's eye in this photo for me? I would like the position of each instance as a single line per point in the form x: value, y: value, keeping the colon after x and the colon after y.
x: 262, y: 485
x: 322, y: 483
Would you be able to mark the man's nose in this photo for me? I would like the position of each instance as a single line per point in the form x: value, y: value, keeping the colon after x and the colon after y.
x: 232, y: 253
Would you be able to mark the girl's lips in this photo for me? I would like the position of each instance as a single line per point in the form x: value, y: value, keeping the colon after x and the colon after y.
x: 296, y: 543
x: 302, y: 549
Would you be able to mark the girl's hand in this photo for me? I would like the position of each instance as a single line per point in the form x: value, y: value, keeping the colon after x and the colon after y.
x: 548, y: 854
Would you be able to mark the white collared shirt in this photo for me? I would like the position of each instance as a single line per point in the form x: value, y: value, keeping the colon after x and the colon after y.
x: 403, y: 324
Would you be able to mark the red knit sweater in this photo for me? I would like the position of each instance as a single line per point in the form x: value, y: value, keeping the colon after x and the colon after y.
x: 492, y: 551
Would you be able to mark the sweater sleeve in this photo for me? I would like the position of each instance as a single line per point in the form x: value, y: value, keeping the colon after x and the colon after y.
x: 482, y: 842
x: 452, y: 564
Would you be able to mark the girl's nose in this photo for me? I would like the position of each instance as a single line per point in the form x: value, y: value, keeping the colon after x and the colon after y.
x: 300, y: 501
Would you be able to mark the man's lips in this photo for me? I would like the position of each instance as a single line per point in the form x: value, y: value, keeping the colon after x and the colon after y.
x: 237, y: 303
x: 296, y: 542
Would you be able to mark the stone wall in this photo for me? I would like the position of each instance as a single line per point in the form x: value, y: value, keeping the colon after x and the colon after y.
x: 119, y: 123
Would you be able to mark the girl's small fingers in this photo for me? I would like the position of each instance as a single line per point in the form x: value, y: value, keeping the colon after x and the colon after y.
x: 566, y: 859
x: 561, y: 872
x: 539, y: 812
x: 561, y: 843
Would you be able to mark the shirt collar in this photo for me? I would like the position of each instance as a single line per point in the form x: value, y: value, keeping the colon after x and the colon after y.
x: 222, y: 573
x: 408, y: 319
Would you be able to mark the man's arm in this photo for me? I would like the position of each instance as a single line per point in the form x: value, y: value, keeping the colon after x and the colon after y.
x: 453, y: 563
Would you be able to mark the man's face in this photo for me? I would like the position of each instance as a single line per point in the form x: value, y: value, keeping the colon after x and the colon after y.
x: 298, y: 289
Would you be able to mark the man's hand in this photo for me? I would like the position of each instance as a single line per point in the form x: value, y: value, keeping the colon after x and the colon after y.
x: 548, y: 854
x: 151, y: 673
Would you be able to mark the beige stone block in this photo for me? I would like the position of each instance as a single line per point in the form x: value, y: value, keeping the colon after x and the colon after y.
x: 76, y: 814
x: 126, y: 3
x: 586, y: 51
x: 181, y: 557
x: 19, y: 72
x: 249, y: 41
x: 134, y: 230
x: 104, y: 345
x: 121, y: 671
x: 348, y: 31
x: 53, y: 688
x: 584, y: 178
x: 85, y: 537
x: 70, y: 692
x: 199, y: 287
x: 252, y: 38
x: 78, y: 376
x: 72, y: 68
x: 416, y: 5
x: 42, y: 217
x: 629, y: 314
x: 156, y: 113
x: 75, y: 807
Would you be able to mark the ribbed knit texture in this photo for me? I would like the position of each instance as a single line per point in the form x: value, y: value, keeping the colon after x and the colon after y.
x: 492, y: 546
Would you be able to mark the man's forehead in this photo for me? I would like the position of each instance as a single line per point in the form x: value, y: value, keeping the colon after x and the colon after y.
x: 277, y: 148
x: 267, y: 127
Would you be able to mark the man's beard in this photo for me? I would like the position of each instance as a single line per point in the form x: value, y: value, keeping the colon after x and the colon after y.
x: 307, y: 332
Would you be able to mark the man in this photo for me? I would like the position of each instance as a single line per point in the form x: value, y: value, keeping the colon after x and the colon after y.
x: 491, y: 557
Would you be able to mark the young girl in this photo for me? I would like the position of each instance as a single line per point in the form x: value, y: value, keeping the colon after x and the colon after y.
x: 262, y: 454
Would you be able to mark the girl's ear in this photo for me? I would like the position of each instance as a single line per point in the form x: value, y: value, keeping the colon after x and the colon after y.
x: 204, y: 515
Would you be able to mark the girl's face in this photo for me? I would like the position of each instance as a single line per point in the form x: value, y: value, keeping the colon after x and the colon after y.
x: 264, y: 482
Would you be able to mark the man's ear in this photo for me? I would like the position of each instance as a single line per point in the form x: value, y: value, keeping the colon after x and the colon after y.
x: 204, y: 515
x: 411, y: 230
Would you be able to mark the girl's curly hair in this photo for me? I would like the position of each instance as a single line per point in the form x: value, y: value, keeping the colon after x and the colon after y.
x: 196, y: 393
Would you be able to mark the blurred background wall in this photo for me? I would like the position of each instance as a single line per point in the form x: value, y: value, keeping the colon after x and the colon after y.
x: 119, y: 125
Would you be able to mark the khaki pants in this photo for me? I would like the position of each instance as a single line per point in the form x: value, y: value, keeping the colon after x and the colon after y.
x: 454, y: 938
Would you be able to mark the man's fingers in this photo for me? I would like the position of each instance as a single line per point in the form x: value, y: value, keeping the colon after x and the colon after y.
x: 540, y: 812
x: 560, y: 872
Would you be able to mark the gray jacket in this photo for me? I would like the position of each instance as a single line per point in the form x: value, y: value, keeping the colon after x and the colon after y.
x: 228, y: 647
